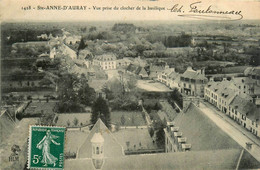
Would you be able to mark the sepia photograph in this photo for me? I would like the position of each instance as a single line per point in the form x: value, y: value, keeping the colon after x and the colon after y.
x: 131, y: 94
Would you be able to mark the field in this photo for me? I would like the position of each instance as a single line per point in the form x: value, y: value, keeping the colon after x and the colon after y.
x: 69, y: 119
x: 137, y: 138
x: 129, y: 118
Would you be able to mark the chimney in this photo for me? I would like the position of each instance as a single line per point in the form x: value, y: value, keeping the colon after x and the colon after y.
x: 189, y: 68
x: 224, y: 79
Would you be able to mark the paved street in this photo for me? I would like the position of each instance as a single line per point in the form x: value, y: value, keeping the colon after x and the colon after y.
x: 231, y: 130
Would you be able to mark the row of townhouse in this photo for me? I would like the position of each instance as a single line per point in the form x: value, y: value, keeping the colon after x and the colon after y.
x: 169, y: 77
x: 245, y: 113
x: 234, y: 102
x: 190, y: 83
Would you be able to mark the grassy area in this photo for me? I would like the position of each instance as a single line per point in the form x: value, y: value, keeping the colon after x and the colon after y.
x: 236, y: 69
x: 124, y: 118
x: 137, y: 138
x: 73, y: 119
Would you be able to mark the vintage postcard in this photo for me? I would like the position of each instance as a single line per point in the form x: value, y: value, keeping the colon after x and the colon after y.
x: 129, y: 84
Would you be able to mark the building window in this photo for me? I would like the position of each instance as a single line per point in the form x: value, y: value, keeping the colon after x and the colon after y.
x: 97, y: 150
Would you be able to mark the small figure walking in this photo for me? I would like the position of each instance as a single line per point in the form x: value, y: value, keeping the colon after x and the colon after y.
x: 44, y: 144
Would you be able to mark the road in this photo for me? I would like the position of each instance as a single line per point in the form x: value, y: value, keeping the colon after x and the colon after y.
x: 233, y: 132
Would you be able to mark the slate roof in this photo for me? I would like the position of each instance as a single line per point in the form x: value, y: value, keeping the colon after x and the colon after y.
x: 7, y: 124
x: 201, y: 132
x: 106, y: 57
x: 218, y: 159
x: 242, y: 80
x: 136, y: 69
x: 173, y: 75
x: 245, y: 107
x: 111, y: 146
x: 192, y: 74
x: 225, y: 89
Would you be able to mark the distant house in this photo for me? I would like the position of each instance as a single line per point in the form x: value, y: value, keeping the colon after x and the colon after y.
x: 71, y: 40
x: 124, y: 62
x: 220, y: 94
x: 174, y: 80
x: 252, y: 83
x: 63, y: 50
x: 192, y: 82
x: 155, y: 70
x: 43, y: 36
x: 246, y: 114
x: 137, y: 70
x: 165, y: 76
x: 139, y: 62
x: 106, y: 61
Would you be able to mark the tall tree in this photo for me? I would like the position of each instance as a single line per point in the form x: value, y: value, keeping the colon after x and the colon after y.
x: 100, y: 110
x: 82, y: 45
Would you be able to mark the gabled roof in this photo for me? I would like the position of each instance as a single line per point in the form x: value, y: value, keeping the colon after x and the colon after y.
x: 218, y: 159
x: 242, y: 80
x: 173, y: 75
x: 201, y: 132
x: 192, y: 74
x: 245, y: 107
x: 225, y: 89
x: 111, y: 147
x: 106, y: 57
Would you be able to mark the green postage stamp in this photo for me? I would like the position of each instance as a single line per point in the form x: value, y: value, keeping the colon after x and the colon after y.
x: 46, y: 147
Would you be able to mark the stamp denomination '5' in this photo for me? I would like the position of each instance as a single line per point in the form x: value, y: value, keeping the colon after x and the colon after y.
x: 46, y: 147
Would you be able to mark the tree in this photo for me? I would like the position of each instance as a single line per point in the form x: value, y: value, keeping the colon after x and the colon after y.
x: 68, y: 86
x: 68, y: 123
x: 160, y: 136
x: 73, y: 92
x: 122, y: 119
x: 93, y: 28
x: 75, y: 121
x: 133, y: 120
x: 86, y: 94
x: 100, y: 110
x: 82, y: 45
x: 151, y: 132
